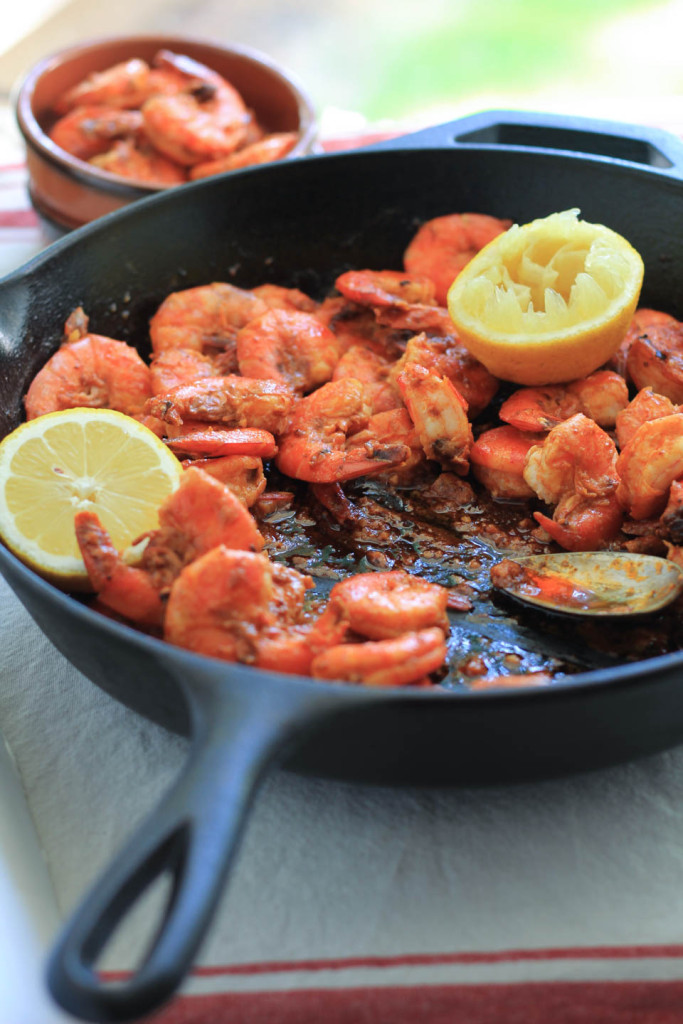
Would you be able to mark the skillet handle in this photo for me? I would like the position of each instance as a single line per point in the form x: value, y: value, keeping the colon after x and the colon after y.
x: 637, y: 144
x: 192, y: 836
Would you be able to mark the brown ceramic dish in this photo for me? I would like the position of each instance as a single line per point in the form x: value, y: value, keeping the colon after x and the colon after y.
x: 71, y: 192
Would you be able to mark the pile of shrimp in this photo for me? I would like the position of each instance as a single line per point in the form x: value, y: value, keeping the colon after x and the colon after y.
x: 163, y: 123
x: 369, y: 382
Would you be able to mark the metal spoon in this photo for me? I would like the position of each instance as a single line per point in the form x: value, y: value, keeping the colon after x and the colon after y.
x: 591, y: 582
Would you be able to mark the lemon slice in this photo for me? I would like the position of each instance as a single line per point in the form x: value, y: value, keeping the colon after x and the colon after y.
x: 549, y: 301
x: 54, y: 465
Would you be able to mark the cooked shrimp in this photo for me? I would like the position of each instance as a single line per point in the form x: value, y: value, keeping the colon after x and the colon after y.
x: 600, y: 396
x: 392, y: 427
x: 498, y: 458
x: 446, y: 357
x: 128, y: 590
x: 380, y: 605
x: 174, y: 366
x: 123, y: 85
x: 140, y: 162
x: 243, y: 474
x: 289, y: 650
x: 641, y: 320
x: 672, y: 516
x: 374, y: 371
x: 206, y: 318
x: 439, y: 413
x: 276, y: 296
x: 289, y: 347
x: 232, y: 401
x: 214, y: 442
x: 232, y: 456
x: 86, y: 131
x: 357, y: 325
x: 198, y: 515
x: 206, y: 122
x: 649, y: 464
x: 645, y: 406
x: 575, y: 470
x: 655, y: 359
x: 227, y: 604
x: 92, y: 371
x: 392, y: 288
x: 220, y: 603
x: 442, y: 247
x: 396, y: 662
x: 263, y: 151
x: 397, y: 299
x: 313, y: 447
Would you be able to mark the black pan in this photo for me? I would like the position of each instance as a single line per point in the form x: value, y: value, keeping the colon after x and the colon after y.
x: 301, y: 223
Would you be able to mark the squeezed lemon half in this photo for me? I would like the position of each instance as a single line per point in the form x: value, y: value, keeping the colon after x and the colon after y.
x: 98, y: 459
x: 549, y: 301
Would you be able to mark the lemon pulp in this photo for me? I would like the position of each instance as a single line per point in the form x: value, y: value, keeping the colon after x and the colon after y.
x: 55, y: 465
x: 548, y: 301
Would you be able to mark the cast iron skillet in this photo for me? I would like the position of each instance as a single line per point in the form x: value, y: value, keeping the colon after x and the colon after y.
x: 301, y: 223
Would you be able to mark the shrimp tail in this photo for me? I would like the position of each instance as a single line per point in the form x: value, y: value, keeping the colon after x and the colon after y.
x: 124, y: 589
x: 589, y: 528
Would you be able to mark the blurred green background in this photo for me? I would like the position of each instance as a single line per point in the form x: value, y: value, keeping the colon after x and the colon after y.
x: 502, y: 46
x: 409, y: 59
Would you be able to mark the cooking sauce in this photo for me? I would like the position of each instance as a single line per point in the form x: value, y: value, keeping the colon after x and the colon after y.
x: 452, y: 532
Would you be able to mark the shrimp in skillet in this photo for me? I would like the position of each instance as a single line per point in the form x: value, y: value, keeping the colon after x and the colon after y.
x: 276, y: 296
x: 206, y: 318
x: 287, y: 346
x: 89, y: 370
x: 314, y: 445
x: 374, y: 371
x: 444, y: 245
x: 498, y: 459
x: 197, y: 516
x: 243, y: 474
x: 649, y: 464
x: 235, y: 457
x: 439, y: 413
x: 228, y: 603
x: 175, y: 366
x: 601, y: 396
x: 655, y: 359
x: 446, y: 357
x: 646, y: 405
x: 399, y: 661
x: 386, y: 604
x: 641, y: 320
x: 210, y: 442
x: 231, y: 401
x: 392, y: 427
x: 575, y: 469
x: 397, y: 299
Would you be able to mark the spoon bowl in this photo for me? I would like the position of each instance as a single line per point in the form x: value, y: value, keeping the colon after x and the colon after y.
x: 603, y: 583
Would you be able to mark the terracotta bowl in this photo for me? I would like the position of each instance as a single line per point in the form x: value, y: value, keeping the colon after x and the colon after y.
x: 71, y: 192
